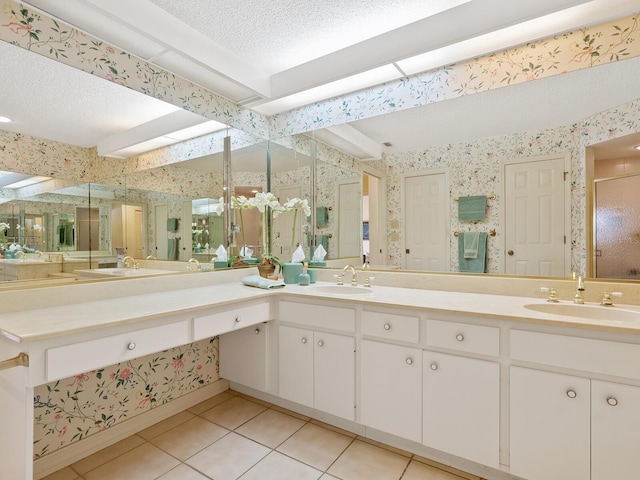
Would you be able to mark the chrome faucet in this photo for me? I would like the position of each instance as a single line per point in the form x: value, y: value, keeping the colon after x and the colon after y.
x: 354, y: 275
x: 193, y: 261
x: 579, y: 296
x: 134, y: 264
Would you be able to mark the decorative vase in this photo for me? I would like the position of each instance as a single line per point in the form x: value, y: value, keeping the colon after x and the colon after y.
x: 266, y: 270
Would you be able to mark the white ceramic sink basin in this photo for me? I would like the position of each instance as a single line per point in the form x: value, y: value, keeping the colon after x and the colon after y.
x: 591, y: 312
x: 340, y: 289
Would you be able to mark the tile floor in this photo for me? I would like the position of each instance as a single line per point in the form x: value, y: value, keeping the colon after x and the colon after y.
x: 232, y: 436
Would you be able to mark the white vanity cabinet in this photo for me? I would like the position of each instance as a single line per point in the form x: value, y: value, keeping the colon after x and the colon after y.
x: 243, y: 356
x: 549, y: 424
x: 391, y: 389
x: 461, y: 395
x: 316, y: 367
x: 582, y: 428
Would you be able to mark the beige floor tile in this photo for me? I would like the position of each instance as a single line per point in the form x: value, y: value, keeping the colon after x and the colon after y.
x: 446, y: 468
x: 183, y: 472
x: 146, y: 462
x: 189, y: 438
x: 421, y: 471
x: 255, y: 400
x: 315, y: 446
x: 290, y: 412
x: 107, y: 454
x: 229, y: 457
x: 399, y: 451
x: 233, y: 413
x: 276, y: 466
x: 64, y: 474
x: 331, y: 427
x: 363, y: 461
x: 211, y: 402
x: 270, y: 428
x: 326, y: 476
x: 165, y: 425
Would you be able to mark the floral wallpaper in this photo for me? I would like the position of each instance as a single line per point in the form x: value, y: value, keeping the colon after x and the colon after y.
x: 71, y: 409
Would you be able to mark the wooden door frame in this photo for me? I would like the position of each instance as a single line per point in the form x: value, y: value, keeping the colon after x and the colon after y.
x: 567, y: 204
x: 403, y: 209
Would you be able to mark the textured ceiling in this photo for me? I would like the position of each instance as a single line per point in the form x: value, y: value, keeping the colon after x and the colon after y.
x: 276, y: 36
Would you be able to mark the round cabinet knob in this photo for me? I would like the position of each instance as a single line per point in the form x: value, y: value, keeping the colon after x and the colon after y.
x: 459, y: 337
x: 320, y: 343
x: 409, y: 361
x: 237, y: 319
x: 304, y: 340
x: 257, y: 331
x: 571, y: 394
x: 510, y: 253
x: 434, y: 366
x: 131, y: 346
x: 387, y: 326
x: 612, y: 401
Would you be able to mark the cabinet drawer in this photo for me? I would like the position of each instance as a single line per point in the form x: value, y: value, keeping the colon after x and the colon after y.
x: 463, y: 337
x: 597, y: 356
x: 334, y: 318
x: 82, y: 357
x: 229, y: 320
x: 403, y: 328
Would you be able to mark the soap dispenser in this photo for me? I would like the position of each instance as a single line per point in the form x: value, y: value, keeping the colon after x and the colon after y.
x: 304, y: 278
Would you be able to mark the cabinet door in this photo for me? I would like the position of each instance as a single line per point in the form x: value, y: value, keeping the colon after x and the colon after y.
x: 391, y: 389
x: 295, y: 365
x: 243, y: 356
x: 461, y: 407
x: 615, y: 431
x: 334, y: 371
x: 549, y: 425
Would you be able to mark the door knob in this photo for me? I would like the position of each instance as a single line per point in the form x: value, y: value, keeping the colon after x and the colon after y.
x: 510, y: 253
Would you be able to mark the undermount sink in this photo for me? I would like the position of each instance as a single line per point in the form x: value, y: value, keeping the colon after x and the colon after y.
x: 591, y: 312
x: 340, y: 289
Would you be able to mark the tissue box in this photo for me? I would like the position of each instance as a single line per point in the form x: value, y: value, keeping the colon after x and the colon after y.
x: 317, y: 263
x: 220, y: 264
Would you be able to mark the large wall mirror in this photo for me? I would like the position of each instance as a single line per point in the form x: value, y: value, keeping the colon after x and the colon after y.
x: 360, y: 204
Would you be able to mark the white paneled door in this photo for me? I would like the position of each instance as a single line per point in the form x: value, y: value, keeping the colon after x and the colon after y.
x: 349, y: 222
x: 535, y: 218
x: 426, y: 223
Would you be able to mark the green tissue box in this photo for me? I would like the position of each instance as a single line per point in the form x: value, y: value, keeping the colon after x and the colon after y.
x: 220, y: 264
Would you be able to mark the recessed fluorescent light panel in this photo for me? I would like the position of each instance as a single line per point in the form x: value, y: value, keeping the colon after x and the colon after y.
x: 4, y: 119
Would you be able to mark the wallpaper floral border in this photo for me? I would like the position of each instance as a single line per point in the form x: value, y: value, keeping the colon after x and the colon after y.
x: 42, y: 34
x: 74, y: 408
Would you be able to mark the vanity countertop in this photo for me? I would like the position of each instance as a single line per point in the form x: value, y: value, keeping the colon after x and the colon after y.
x: 37, y: 322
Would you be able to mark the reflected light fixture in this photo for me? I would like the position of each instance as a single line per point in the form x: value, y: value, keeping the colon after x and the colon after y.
x: 637, y: 147
x: 5, y: 119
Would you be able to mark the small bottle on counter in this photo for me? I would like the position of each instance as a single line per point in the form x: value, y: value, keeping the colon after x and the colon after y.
x: 304, y: 278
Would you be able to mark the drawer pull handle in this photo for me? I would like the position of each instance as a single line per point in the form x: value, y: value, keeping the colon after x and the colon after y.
x: 409, y: 361
x: 304, y: 340
x: 434, y: 366
x: 131, y: 346
x: 257, y: 331
x: 612, y: 401
x: 459, y: 337
x: 238, y: 319
x: 320, y: 343
x: 571, y: 394
x: 387, y: 326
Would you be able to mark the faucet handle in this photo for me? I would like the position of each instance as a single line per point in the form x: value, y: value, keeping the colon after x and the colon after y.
x: 606, y: 298
x: 367, y: 281
x: 339, y: 277
x: 553, y: 294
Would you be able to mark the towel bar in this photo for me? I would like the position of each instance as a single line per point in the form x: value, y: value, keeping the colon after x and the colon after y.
x: 489, y: 197
x: 492, y: 233
x: 20, y: 360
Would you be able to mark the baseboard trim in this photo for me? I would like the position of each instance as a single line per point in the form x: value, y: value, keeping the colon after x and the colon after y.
x: 76, y: 451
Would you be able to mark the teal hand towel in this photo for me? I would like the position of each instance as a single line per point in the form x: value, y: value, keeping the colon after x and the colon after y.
x: 322, y: 216
x: 261, y: 282
x: 172, y: 249
x: 471, y: 244
x: 472, y: 208
x: 473, y: 265
x: 172, y: 224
